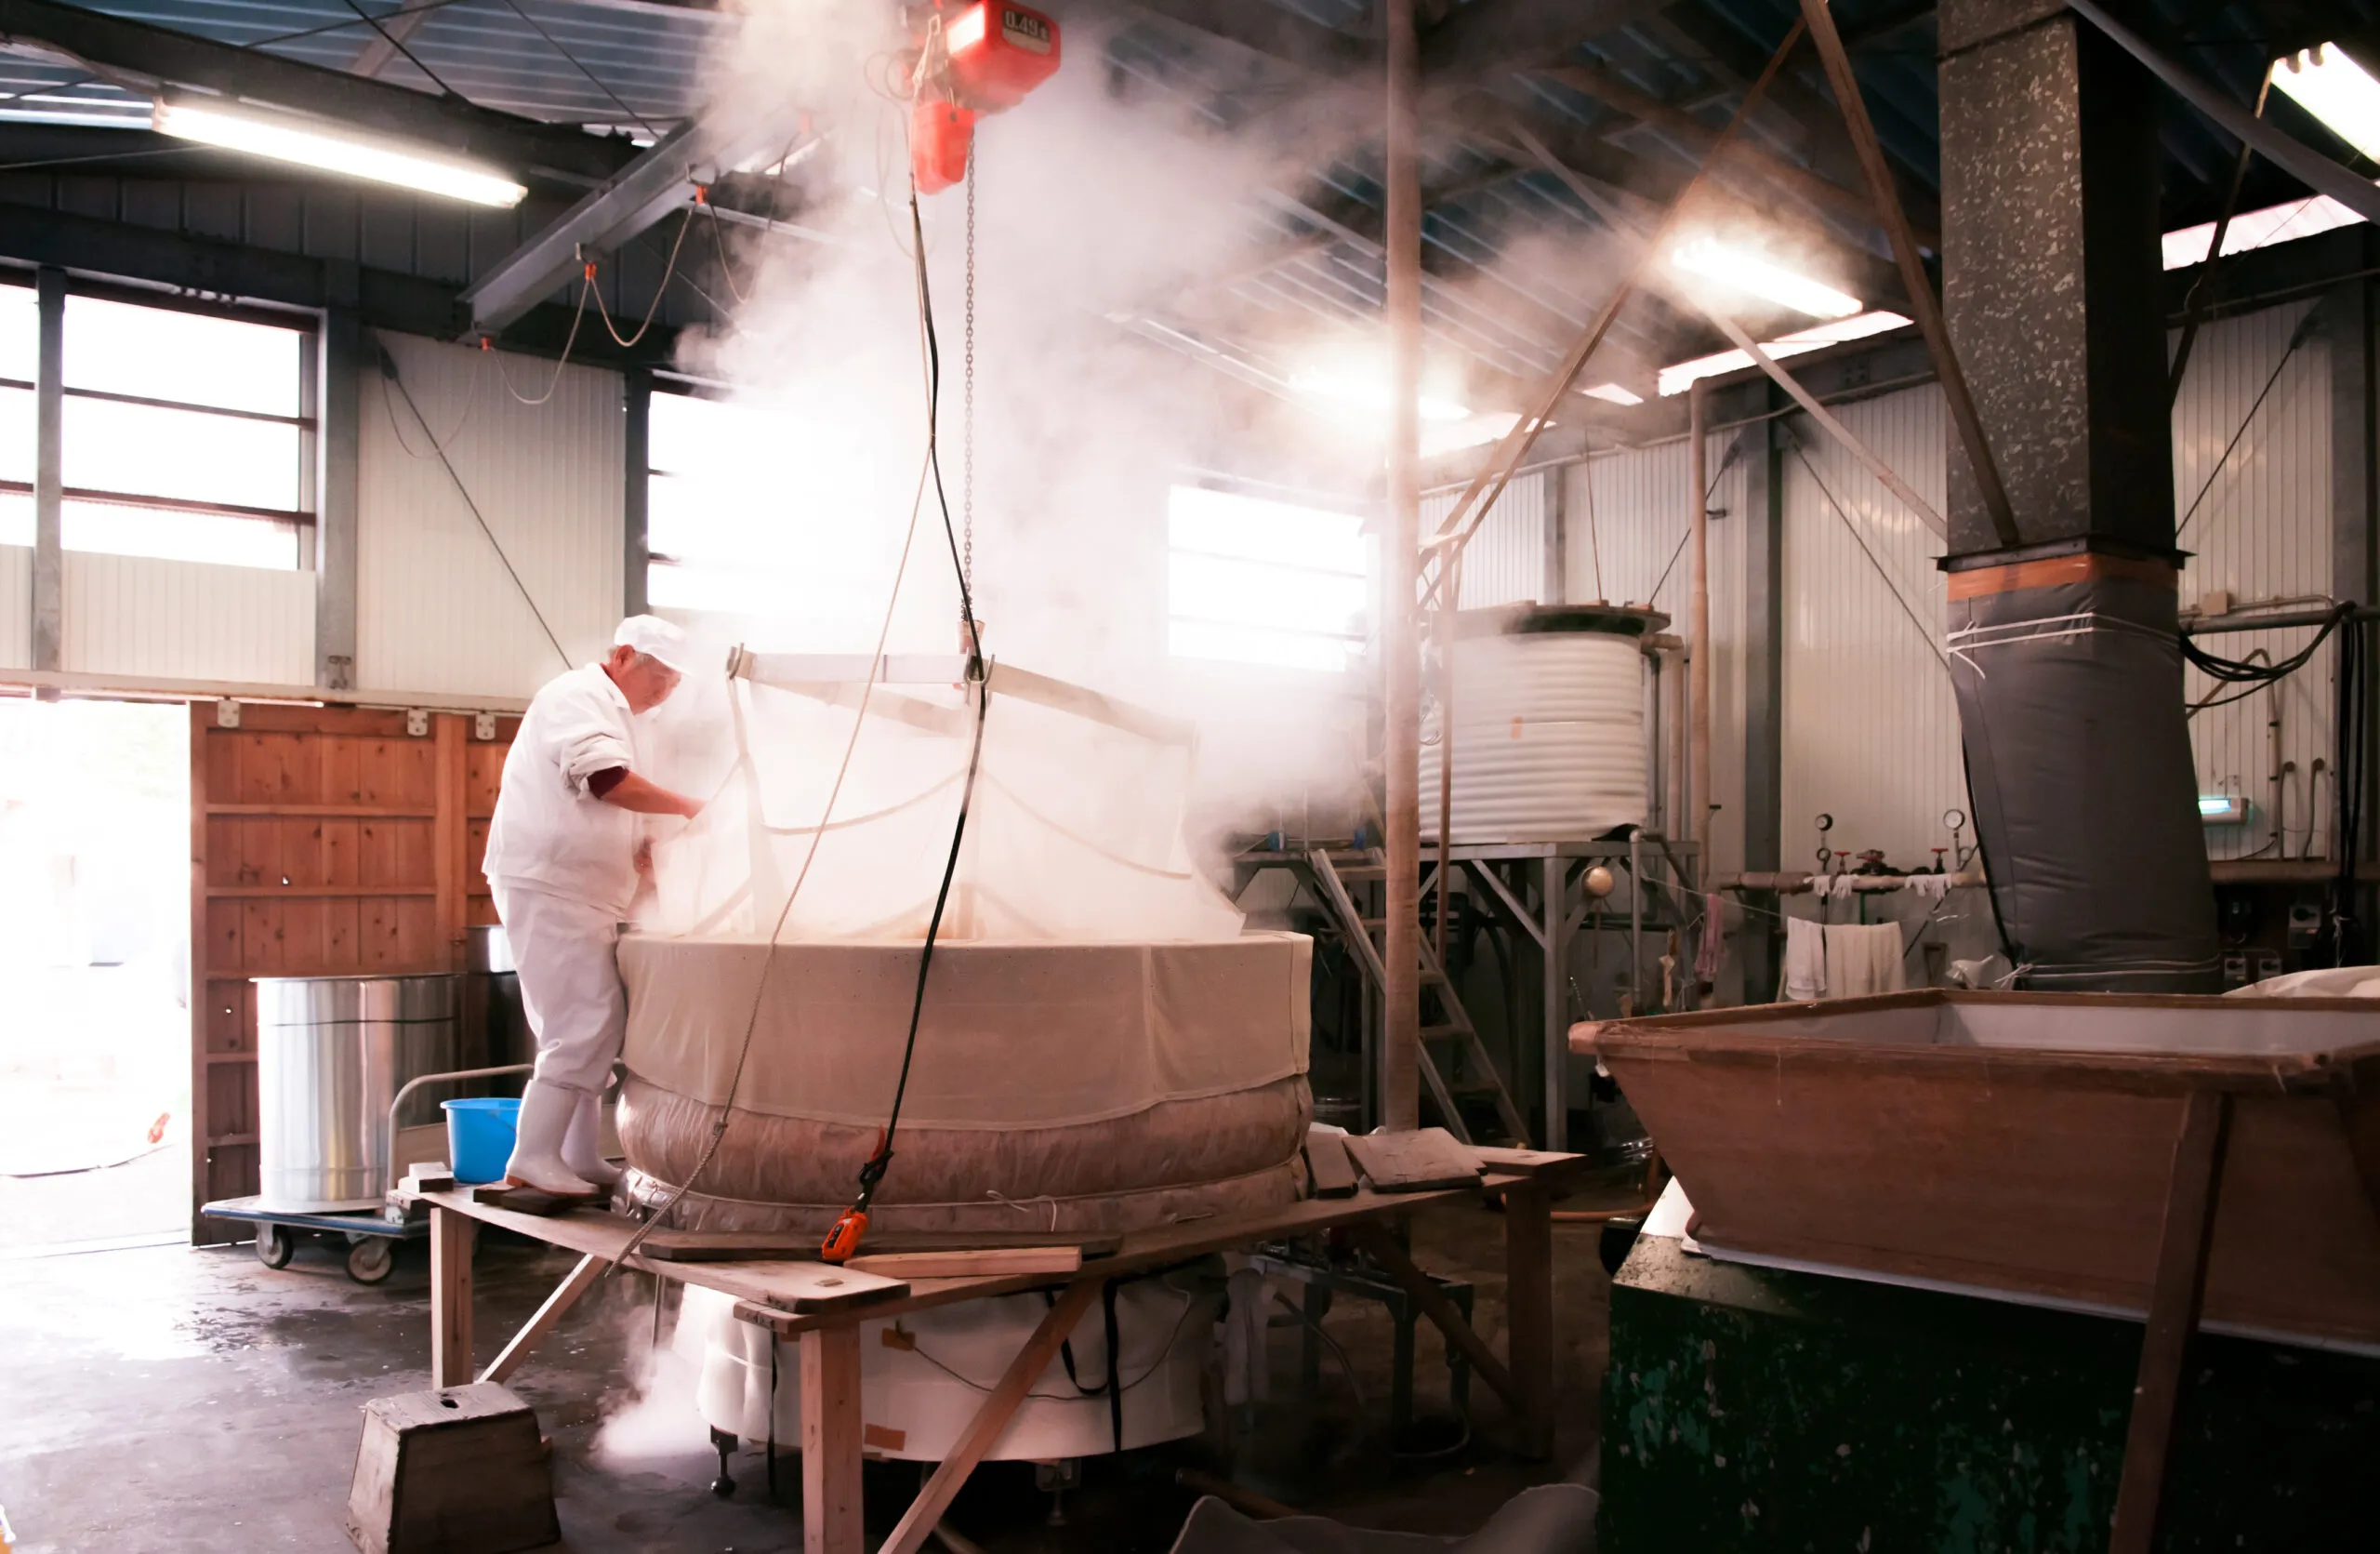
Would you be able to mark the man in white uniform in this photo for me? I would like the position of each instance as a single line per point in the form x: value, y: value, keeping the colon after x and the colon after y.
x: 562, y: 861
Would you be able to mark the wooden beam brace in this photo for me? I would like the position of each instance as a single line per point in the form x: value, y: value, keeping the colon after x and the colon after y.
x: 1919, y: 286
x: 450, y: 1297
x: 2174, y: 1302
x: 991, y: 1418
x: 1376, y: 1239
x: 575, y: 1283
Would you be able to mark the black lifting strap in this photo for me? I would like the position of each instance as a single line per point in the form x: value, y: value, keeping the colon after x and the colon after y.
x: 1115, y: 1363
x: 1113, y: 1385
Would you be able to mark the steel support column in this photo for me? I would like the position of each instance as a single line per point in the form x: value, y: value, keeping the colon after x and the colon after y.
x: 1401, y: 1014
x: 636, y: 550
x: 339, y: 415
x: 49, y: 473
x: 1764, y: 692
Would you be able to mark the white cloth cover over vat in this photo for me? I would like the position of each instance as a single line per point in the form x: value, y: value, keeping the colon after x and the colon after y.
x: 923, y: 1375
x: 1056, y: 1086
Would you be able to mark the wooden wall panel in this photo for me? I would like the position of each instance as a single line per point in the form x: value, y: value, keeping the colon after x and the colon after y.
x: 325, y: 841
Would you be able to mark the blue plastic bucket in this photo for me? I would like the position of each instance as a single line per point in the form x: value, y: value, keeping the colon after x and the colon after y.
x: 480, y: 1135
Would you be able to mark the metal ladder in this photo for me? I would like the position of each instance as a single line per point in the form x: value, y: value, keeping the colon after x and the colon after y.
x: 1454, y: 1062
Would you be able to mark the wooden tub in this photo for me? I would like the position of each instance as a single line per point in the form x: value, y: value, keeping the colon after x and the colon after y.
x: 2023, y: 1143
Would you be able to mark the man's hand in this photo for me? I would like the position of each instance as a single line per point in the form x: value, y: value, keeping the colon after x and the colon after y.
x: 634, y: 793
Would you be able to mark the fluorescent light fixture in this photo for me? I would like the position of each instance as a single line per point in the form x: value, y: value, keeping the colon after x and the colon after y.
x: 2222, y: 809
x: 1352, y: 391
x: 1741, y: 270
x: 1677, y: 378
x: 2336, y: 90
x: 2259, y: 229
x: 285, y: 140
x: 1613, y: 393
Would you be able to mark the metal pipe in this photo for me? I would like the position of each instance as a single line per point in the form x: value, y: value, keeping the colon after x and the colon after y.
x: 1401, y: 1016
x: 1443, y: 628
x: 1698, y: 661
x: 2273, y: 769
x: 2277, y: 620
x: 1794, y: 882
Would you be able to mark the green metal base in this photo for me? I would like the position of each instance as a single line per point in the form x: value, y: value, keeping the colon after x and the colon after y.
x: 1752, y: 1409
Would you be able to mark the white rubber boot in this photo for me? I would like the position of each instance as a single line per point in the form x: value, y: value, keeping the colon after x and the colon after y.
x: 545, y: 1112
x: 582, y: 1144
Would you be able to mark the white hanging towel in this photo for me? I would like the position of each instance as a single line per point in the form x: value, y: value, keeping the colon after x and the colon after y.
x: 1862, y: 959
x: 1806, y: 944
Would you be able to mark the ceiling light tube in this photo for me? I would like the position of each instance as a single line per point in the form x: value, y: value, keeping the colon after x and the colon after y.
x: 2336, y: 90
x: 288, y: 139
x: 1748, y: 271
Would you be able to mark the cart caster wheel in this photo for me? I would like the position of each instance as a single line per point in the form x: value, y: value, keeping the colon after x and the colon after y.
x: 723, y: 1486
x: 275, y: 1246
x: 371, y: 1260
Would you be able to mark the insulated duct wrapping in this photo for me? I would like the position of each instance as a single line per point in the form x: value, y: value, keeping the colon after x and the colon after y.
x: 2079, y: 763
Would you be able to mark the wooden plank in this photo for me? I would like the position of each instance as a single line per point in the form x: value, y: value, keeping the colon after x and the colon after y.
x: 450, y: 837
x: 450, y: 1297
x: 320, y: 892
x: 831, y: 1444
x: 991, y: 1419
x: 1326, y: 1165
x: 2173, y: 1306
x: 1529, y: 1313
x: 986, y: 1261
x: 1420, y: 1160
x: 322, y: 811
x: 806, y: 1288
x: 517, y: 1348
x: 712, y: 1246
x: 1536, y: 1165
x: 1375, y: 1239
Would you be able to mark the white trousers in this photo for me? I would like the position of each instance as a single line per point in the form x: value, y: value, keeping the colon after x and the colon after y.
x: 570, y: 984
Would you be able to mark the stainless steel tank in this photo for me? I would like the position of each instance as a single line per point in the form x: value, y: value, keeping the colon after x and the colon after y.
x: 332, y: 1052
x: 496, y: 1030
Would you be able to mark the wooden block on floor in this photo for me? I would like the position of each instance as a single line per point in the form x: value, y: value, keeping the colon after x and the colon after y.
x: 460, y: 1470
x: 1327, y: 1165
x: 1422, y: 1161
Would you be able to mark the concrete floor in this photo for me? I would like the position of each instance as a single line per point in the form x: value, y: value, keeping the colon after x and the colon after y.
x: 164, y: 1398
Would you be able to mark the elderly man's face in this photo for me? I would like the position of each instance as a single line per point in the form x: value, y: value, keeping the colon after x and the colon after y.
x: 645, y: 682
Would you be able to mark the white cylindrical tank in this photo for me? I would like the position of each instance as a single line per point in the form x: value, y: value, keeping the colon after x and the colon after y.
x: 1549, y: 725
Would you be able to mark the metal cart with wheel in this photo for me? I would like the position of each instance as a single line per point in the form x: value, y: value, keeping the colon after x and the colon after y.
x: 372, y: 1234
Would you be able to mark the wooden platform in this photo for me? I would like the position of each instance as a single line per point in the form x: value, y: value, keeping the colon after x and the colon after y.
x: 821, y: 1307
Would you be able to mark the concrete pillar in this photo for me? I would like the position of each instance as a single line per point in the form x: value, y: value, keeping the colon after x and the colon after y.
x: 49, y: 478
x: 2051, y: 275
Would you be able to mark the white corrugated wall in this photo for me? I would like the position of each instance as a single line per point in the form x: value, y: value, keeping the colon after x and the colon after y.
x: 16, y: 607
x: 436, y: 608
x: 188, y: 620
x: 1626, y: 516
x: 2259, y: 523
x: 1504, y: 564
x: 1871, y: 724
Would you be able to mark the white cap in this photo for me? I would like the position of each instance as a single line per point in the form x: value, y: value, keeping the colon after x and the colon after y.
x: 656, y: 638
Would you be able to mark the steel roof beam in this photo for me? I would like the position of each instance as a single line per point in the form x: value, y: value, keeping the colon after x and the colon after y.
x: 144, y: 59
x: 659, y: 181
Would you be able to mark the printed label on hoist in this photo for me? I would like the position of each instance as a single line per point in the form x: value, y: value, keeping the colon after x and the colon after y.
x: 1025, y: 29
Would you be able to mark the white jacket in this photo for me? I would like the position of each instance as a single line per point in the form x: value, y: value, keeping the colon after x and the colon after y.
x: 550, y: 833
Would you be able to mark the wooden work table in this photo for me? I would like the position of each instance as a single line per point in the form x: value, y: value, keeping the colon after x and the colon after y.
x: 822, y: 1308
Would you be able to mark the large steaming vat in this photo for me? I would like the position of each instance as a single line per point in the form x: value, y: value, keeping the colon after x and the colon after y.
x: 1091, y: 1087
x: 1549, y: 725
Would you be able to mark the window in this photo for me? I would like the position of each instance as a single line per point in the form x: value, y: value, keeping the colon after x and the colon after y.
x: 185, y: 435
x: 704, y: 555
x: 1262, y: 582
